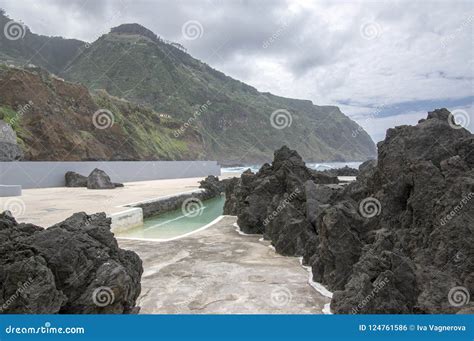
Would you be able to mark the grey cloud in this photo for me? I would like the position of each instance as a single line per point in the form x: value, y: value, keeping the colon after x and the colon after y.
x: 311, y: 50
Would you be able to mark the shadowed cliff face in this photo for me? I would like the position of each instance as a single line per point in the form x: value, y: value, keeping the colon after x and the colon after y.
x: 236, y: 123
x: 397, y: 240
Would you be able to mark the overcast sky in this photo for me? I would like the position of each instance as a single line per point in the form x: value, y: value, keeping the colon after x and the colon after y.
x: 384, y: 63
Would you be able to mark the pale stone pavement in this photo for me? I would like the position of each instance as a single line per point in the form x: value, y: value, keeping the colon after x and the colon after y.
x: 48, y: 206
x: 219, y: 271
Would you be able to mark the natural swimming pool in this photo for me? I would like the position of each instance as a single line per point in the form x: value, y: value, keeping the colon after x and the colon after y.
x: 175, y: 223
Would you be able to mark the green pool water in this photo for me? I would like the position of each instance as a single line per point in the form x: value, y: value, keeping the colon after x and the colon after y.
x: 174, y: 223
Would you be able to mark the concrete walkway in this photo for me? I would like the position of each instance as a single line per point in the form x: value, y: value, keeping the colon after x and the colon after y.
x: 219, y: 271
x: 48, y: 206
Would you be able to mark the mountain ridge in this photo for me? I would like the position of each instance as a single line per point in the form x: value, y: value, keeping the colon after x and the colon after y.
x: 134, y: 63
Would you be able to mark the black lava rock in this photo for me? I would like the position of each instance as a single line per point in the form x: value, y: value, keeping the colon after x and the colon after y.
x: 75, y: 266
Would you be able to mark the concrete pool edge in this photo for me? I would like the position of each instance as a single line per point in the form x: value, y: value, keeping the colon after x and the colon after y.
x: 135, y: 212
x: 157, y: 240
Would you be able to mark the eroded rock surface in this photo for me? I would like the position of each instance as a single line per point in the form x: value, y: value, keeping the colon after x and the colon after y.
x: 74, y: 179
x: 75, y: 266
x: 97, y: 179
x: 397, y: 240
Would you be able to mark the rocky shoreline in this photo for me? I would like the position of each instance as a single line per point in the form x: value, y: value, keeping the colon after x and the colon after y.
x: 75, y: 266
x: 397, y: 240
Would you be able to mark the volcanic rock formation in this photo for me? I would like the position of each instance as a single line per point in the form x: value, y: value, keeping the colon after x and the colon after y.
x: 74, y: 179
x: 397, y: 240
x: 75, y: 266
x: 97, y: 179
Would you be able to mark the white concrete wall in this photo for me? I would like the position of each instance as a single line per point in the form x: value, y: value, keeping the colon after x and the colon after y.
x: 39, y: 174
x: 127, y: 219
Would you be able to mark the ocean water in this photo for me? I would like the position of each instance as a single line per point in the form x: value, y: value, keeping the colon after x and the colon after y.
x: 320, y: 166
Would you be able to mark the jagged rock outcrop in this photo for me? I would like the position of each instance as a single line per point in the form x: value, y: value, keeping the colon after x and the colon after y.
x: 272, y: 201
x: 75, y: 266
x: 212, y: 184
x: 74, y: 179
x: 421, y: 236
x: 98, y: 179
x: 397, y: 240
x: 231, y: 203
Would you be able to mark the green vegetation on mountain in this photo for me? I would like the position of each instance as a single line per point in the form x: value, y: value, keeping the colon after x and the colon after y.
x: 58, y: 120
x: 232, y: 118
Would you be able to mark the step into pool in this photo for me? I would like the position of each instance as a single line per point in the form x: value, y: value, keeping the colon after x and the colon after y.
x: 175, y: 223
